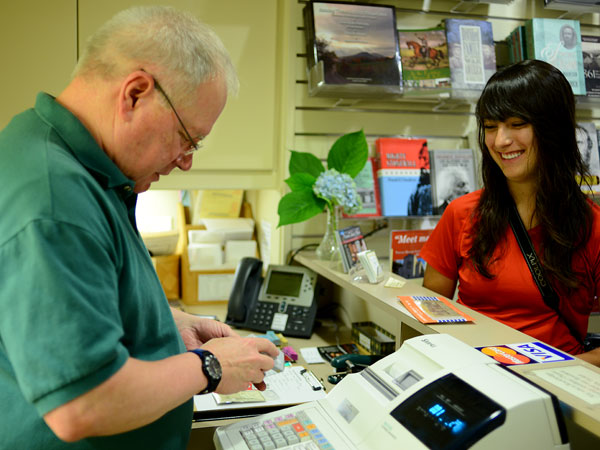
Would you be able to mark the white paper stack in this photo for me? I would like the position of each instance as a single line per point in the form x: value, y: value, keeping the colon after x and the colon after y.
x: 241, y: 228
x: 236, y: 250
x: 222, y: 244
x: 205, y: 256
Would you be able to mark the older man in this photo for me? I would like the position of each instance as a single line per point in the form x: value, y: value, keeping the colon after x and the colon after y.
x: 91, y: 355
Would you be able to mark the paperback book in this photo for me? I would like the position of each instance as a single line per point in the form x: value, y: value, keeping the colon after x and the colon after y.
x: 452, y: 175
x: 471, y: 52
x: 558, y: 42
x: 590, y: 46
x: 368, y: 190
x: 403, y: 176
x: 352, y: 46
x: 405, y: 246
x: 587, y: 142
x: 430, y: 309
x: 424, y: 56
x: 351, y: 243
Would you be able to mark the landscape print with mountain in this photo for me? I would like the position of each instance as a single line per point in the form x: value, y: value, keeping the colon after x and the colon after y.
x: 355, y: 43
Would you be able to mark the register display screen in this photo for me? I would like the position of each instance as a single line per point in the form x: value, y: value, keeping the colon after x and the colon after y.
x: 286, y: 284
x: 449, y: 414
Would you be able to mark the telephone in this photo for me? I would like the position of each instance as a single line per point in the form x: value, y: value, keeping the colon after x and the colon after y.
x: 283, y: 301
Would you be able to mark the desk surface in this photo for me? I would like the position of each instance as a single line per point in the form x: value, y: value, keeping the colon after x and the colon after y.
x: 483, y: 332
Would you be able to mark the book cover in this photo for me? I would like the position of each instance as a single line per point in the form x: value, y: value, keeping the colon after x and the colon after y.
x: 351, y: 242
x: 590, y: 47
x: 368, y: 190
x: 430, y: 309
x: 424, y: 55
x: 355, y: 43
x: 452, y: 175
x: 405, y: 246
x: 587, y: 142
x: 471, y: 52
x: 558, y: 42
x: 403, y: 177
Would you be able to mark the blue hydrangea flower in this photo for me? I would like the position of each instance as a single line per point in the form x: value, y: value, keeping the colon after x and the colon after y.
x: 338, y: 189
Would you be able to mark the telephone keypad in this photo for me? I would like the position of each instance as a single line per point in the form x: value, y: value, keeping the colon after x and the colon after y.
x: 299, y: 323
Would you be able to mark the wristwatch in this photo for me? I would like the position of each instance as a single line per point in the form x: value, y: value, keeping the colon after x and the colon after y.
x: 211, y: 368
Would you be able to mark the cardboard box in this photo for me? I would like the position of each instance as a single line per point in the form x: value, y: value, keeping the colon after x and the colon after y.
x: 167, y: 269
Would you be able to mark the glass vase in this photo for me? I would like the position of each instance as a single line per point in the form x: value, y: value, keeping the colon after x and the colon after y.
x: 328, y: 249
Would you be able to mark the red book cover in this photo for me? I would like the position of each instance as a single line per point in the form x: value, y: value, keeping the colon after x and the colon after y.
x: 404, y: 255
x: 404, y: 177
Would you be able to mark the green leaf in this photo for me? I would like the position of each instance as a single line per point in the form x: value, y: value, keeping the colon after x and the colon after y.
x: 349, y: 153
x: 301, y: 182
x: 298, y: 206
x: 305, y: 162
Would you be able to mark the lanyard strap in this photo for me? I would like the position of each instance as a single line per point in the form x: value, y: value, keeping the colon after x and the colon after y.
x: 535, y: 267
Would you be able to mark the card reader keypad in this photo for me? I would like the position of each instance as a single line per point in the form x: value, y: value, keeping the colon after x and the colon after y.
x: 289, y: 431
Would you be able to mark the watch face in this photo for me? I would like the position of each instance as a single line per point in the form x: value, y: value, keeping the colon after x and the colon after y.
x: 213, y: 366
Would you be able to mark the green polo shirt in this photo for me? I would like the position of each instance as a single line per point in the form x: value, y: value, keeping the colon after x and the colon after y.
x: 78, y: 292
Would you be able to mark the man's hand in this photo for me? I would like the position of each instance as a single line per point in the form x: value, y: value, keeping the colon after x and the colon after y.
x: 243, y: 361
x: 195, y: 331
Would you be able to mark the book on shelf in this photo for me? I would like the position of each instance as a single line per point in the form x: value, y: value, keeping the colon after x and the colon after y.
x: 424, y: 55
x: 471, y: 52
x: 558, y: 42
x: 590, y: 47
x: 403, y: 176
x: 368, y: 190
x: 405, y: 246
x: 352, y: 46
x: 516, y: 43
x: 433, y: 309
x: 452, y: 175
x: 587, y: 142
x: 351, y: 243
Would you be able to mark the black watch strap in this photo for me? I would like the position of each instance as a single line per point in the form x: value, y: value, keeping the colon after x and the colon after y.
x: 211, y: 368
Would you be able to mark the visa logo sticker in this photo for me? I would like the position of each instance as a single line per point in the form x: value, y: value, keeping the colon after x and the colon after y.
x: 540, y: 352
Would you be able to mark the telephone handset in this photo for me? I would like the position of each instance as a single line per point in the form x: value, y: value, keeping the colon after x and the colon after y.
x: 283, y: 301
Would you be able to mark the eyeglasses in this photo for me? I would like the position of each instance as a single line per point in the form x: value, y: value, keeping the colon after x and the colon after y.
x: 194, y: 145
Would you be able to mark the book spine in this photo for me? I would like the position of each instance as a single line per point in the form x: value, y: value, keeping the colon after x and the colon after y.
x: 529, y: 40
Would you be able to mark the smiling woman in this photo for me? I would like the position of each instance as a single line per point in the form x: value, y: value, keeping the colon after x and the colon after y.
x: 511, y: 145
x: 530, y: 162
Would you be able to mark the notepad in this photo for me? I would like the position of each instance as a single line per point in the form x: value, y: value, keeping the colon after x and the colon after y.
x: 430, y: 309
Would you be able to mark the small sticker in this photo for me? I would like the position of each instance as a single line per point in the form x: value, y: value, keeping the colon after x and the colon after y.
x: 279, y: 321
x: 364, y: 341
x: 347, y: 410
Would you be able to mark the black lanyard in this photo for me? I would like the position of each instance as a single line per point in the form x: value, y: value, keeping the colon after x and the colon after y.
x: 535, y: 267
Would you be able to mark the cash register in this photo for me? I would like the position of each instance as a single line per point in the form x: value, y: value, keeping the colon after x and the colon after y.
x: 434, y: 392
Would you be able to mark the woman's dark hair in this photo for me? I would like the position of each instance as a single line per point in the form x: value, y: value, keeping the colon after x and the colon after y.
x: 539, y: 94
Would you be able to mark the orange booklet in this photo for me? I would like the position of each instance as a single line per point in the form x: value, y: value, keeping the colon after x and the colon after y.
x: 428, y: 309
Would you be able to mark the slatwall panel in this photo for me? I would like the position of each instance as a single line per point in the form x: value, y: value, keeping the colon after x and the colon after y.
x: 319, y: 121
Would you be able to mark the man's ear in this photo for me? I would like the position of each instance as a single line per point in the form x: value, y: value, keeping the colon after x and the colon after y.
x: 135, y: 91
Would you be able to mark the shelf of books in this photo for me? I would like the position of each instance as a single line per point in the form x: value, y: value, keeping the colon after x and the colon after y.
x: 410, y: 79
x: 358, y: 50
